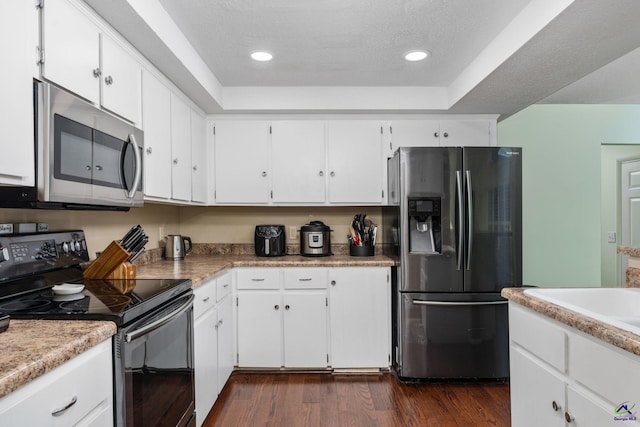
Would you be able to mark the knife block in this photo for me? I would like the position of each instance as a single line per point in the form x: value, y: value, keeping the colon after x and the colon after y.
x: 111, y: 264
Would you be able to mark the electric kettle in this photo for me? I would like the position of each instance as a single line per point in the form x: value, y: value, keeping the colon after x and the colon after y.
x: 175, y: 248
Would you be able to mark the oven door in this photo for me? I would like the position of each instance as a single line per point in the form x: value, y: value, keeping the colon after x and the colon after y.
x: 154, y: 375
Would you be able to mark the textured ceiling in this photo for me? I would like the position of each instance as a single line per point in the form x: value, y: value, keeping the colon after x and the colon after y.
x: 340, y: 42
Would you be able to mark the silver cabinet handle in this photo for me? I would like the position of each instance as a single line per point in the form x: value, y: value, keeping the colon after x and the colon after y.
x: 138, y: 161
x: 88, y: 167
x: 436, y: 134
x: 108, y: 80
x: 195, y: 167
x: 97, y: 72
x: 226, y: 285
x: 257, y: 280
x: 276, y: 307
x: 99, y: 168
x: 304, y: 280
x: 457, y: 304
x: 263, y: 173
x: 206, y: 299
x: 321, y: 173
x: 149, y: 150
x: 332, y: 173
x: 567, y: 417
x: 287, y: 307
x: 333, y: 283
x: 175, y: 161
x: 446, y: 135
x: 60, y: 411
x: 555, y: 406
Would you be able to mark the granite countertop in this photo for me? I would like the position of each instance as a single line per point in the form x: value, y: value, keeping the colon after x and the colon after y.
x: 200, y: 267
x: 610, y: 334
x: 31, y: 348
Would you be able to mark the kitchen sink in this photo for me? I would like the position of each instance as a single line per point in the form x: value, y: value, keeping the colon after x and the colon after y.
x: 619, y: 307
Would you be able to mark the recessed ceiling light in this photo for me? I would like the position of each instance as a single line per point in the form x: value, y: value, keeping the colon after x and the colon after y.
x: 261, y: 56
x: 416, y: 55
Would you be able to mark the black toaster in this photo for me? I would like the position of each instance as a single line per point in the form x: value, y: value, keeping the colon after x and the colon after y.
x: 270, y: 240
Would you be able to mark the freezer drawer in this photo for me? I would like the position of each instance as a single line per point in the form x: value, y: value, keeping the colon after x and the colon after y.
x: 452, y: 336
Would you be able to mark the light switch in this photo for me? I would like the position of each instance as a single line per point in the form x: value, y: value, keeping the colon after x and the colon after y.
x: 611, y: 237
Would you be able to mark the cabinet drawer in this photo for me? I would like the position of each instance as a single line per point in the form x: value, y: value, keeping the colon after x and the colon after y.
x: 223, y: 286
x: 87, y: 379
x: 538, y: 335
x: 605, y: 369
x: 305, y: 278
x: 205, y: 297
x: 259, y: 278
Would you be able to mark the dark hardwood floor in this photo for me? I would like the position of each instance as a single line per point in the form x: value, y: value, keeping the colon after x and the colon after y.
x: 322, y: 399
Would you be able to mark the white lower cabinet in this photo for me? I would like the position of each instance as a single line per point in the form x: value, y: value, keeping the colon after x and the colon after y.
x: 284, y: 326
x: 359, y: 301
x: 213, y: 344
x: 563, y: 377
x: 313, y: 317
x: 78, y: 392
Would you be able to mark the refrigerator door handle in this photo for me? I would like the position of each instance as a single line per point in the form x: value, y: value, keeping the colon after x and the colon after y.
x: 469, y: 219
x: 459, y: 225
x: 456, y: 304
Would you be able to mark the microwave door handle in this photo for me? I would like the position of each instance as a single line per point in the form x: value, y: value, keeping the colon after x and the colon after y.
x: 138, y: 160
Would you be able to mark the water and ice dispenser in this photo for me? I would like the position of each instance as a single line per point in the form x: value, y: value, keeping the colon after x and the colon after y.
x: 425, y: 225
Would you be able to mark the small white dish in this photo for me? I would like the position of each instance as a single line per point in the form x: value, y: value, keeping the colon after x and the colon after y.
x: 67, y: 289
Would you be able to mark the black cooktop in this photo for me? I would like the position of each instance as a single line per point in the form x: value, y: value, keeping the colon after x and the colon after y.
x: 32, y: 264
x: 99, y: 300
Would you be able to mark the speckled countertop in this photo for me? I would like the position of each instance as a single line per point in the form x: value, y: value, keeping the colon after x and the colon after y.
x: 31, y: 348
x: 610, y: 334
x: 200, y: 267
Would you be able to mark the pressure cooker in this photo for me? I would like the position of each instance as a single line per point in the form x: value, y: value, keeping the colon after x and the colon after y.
x: 315, y: 239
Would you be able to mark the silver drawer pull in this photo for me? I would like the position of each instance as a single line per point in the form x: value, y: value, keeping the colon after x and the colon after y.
x: 304, y: 280
x: 257, y: 280
x: 62, y: 410
x: 206, y: 299
x: 226, y: 286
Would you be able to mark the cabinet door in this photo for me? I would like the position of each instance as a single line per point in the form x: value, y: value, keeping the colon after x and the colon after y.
x: 355, y: 162
x: 259, y: 329
x: 305, y: 330
x: 241, y: 162
x: 413, y: 133
x: 359, y: 312
x: 120, y: 80
x: 205, y: 363
x: 465, y: 133
x: 18, y: 24
x: 225, y: 341
x: 298, y: 159
x: 156, y: 113
x: 591, y: 411
x: 180, y: 149
x: 199, y: 182
x: 72, y: 46
x: 534, y: 391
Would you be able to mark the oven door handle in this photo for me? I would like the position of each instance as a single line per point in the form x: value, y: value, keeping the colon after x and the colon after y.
x: 131, y: 336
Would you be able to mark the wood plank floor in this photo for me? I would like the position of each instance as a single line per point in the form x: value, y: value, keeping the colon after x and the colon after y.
x: 321, y: 399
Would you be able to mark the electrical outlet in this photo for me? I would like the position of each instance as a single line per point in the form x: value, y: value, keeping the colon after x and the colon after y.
x: 160, y: 233
x: 611, y: 237
x: 293, y: 233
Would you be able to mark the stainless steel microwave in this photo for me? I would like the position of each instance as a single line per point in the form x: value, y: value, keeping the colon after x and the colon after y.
x: 86, y: 158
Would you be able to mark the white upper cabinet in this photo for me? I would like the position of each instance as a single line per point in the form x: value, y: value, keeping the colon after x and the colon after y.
x: 77, y: 59
x: 156, y: 100
x: 454, y: 132
x: 120, y: 80
x: 241, y: 162
x: 199, y: 178
x: 18, y: 41
x: 180, y: 149
x: 355, y: 162
x: 298, y: 162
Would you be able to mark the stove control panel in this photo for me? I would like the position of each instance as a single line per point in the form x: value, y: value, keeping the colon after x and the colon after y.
x: 33, y: 253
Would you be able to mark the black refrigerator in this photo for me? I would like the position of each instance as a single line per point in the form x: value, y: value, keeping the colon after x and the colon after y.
x: 455, y: 222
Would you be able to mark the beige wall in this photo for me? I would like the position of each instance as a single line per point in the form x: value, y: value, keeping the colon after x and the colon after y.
x: 220, y: 224
x: 214, y: 224
x: 102, y: 227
